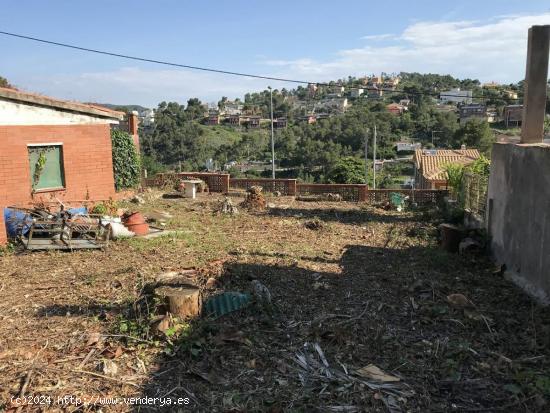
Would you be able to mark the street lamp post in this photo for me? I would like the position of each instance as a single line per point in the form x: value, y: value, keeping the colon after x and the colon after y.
x: 374, y: 160
x: 366, y: 158
x: 272, y: 137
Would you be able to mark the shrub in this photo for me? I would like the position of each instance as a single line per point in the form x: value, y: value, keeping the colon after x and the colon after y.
x: 480, y: 166
x: 454, y: 177
x: 126, y: 162
x: 348, y: 170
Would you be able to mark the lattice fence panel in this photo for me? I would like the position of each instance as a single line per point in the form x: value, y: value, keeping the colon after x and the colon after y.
x: 353, y: 193
x: 284, y: 186
x: 474, y: 192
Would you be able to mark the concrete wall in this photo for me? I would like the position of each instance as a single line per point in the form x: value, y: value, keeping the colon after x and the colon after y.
x: 87, y: 161
x: 519, y: 214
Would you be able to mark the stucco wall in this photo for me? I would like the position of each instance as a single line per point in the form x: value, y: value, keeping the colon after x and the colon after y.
x: 13, y: 113
x: 519, y: 214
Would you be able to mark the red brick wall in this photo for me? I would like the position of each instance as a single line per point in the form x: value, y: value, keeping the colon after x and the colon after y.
x: 87, y: 160
x: 133, y: 123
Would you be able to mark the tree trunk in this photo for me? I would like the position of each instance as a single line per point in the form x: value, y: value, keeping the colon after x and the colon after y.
x: 184, y: 301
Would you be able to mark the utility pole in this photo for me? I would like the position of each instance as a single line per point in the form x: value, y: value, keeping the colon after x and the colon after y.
x: 374, y: 160
x: 366, y: 158
x: 272, y: 137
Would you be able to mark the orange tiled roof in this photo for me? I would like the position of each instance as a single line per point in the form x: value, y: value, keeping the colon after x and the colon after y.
x: 431, y: 166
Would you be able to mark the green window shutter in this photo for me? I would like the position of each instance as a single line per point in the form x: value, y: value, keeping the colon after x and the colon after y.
x: 49, y: 160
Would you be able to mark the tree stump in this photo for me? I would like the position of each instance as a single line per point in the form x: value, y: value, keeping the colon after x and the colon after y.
x: 184, y: 300
x: 175, y: 278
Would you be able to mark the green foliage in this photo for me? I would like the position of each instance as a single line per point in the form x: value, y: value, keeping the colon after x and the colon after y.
x: 38, y: 168
x: 454, y: 177
x: 4, y: 82
x: 311, y: 151
x: 126, y: 162
x: 108, y: 207
x: 476, y: 134
x: 151, y: 165
x: 480, y: 166
x: 348, y: 170
x: 7, y: 249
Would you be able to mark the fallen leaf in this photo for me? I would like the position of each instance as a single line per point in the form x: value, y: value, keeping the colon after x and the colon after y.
x: 118, y: 352
x: 164, y: 324
x: 211, y: 283
x: 93, y: 338
x: 373, y: 372
x: 109, y: 368
x: 460, y: 301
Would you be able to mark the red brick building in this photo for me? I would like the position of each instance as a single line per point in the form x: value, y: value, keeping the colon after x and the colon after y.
x: 69, y: 142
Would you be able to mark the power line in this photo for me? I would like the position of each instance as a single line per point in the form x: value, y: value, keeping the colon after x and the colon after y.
x: 212, y: 70
x: 161, y: 62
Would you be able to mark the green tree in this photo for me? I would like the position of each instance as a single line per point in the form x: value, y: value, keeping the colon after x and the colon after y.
x: 476, y: 134
x: 348, y: 170
x: 194, y: 110
x: 4, y: 82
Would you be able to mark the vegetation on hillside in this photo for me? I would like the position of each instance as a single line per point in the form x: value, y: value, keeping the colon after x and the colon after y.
x: 312, y: 152
x: 4, y: 82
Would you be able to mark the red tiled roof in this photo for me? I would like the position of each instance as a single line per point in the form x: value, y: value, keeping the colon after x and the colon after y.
x: 431, y: 165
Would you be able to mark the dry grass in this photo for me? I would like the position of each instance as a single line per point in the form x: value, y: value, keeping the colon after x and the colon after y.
x: 368, y: 286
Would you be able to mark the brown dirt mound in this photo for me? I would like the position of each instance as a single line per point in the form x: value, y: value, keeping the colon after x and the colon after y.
x: 255, y: 200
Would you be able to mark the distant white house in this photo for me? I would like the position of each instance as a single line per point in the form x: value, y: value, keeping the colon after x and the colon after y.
x: 456, y: 96
x: 147, y: 117
x: 356, y: 92
x: 336, y: 104
x: 408, y: 146
x: 210, y: 164
x: 233, y: 108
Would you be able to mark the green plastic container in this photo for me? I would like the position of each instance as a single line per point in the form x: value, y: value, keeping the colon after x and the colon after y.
x: 225, y: 303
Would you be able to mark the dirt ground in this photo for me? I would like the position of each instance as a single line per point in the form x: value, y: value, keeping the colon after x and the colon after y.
x: 350, y: 287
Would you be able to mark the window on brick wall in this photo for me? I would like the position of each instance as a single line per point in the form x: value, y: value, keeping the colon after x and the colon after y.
x: 46, y: 166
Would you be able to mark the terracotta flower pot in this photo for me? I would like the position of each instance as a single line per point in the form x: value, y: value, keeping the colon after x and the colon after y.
x: 135, y: 222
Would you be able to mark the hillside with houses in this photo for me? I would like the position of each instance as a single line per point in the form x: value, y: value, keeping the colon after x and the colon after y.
x: 317, y: 124
x: 222, y: 243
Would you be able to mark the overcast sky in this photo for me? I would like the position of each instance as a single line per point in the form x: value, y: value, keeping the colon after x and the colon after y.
x: 307, y: 40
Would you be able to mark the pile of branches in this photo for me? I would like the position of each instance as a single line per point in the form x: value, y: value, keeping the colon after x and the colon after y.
x: 255, y: 200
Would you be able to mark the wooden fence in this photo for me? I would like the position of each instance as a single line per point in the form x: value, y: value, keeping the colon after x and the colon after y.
x: 284, y: 186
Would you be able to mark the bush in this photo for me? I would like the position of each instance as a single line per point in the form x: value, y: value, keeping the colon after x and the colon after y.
x: 126, y: 162
x: 151, y: 165
x: 348, y: 170
x: 454, y: 177
x: 481, y: 166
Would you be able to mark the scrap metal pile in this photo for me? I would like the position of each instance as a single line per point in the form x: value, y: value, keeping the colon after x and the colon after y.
x: 42, y: 228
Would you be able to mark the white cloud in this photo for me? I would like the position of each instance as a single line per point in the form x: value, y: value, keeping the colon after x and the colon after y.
x: 131, y: 85
x: 490, y: 50
x: 494, y: 49
x: 378, y: 36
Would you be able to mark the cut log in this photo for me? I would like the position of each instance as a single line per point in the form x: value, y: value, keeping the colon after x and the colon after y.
x: 184, y: 301
x: 176, y: 278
